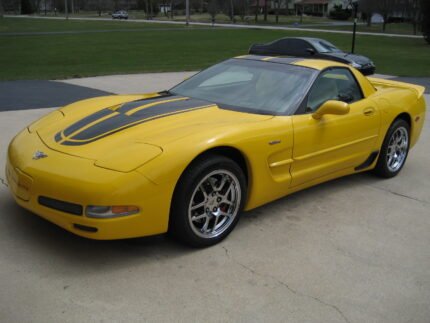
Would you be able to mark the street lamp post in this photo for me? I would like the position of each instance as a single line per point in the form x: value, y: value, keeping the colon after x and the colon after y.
x: 354, y: 5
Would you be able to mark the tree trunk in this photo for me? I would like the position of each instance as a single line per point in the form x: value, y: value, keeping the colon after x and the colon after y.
x: 277, y: 10
x: 150, y: 9
x: 147, y: 9
x: 257, y: 8
x: 165, y: 8
x: 171, y: 9
x: 301, y: 14
x: 265, y: 10
x: 384, y: 24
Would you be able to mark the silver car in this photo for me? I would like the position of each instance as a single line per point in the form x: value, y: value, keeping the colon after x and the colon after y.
x: 121, y: 14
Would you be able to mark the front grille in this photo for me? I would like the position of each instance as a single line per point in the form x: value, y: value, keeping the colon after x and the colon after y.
x: 62, y: 206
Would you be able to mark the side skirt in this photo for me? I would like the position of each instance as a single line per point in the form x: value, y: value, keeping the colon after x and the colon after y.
x: 369, y: 161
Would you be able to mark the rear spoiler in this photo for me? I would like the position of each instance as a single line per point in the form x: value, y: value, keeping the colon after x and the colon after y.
x: 402, y: 85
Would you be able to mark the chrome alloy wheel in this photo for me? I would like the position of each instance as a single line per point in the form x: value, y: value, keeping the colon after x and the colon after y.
x: 397, y: 149
x: 214, y: 204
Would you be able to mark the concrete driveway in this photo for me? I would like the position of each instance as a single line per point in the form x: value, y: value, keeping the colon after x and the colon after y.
x: 351, y: 250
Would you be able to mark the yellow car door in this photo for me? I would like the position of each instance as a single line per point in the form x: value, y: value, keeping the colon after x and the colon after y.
x: 334, y: 142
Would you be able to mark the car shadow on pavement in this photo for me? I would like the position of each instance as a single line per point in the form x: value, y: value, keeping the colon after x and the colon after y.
x: 291, y: 206
x: 40, y: 238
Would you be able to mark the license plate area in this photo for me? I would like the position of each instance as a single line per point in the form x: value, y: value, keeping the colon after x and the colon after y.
x: 19, y: 183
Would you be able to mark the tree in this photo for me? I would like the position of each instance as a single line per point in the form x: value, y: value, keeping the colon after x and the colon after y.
x: 26, y: 7
x: 413, y: 11
x: 257, y: 9
x: 212, y: 9
x: 265, y: 10
x: 425, y: 10
x: 1, y: 9
x: 367, y: 7
x: 385, y: 8
x: 241, y: 8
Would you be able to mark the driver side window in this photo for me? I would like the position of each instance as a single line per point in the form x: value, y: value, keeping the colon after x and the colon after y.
x: 334, y: 84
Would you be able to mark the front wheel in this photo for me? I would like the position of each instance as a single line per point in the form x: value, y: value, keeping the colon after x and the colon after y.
x: 207, y: 201
x: 394, y: 150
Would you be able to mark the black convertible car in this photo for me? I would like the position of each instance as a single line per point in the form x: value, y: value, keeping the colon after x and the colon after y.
x: 313, y: 47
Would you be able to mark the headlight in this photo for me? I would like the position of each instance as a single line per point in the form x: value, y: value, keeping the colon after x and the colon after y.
x: 107, y: 212
x: 355, y: 65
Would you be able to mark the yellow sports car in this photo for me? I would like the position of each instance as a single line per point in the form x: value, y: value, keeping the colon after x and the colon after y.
x: 233, y: 137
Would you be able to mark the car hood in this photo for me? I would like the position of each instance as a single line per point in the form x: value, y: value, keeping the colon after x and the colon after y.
x: 95, y: 128
x: 350, y: 57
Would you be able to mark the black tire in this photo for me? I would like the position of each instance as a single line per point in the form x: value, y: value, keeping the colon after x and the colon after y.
x: 181, y: 225
x: 382, y: 168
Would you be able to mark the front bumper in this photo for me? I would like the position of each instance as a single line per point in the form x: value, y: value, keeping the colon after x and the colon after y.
x: 67, y: 181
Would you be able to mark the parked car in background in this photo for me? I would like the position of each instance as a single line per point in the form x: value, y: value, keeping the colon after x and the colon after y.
x: 313, y: 48
x: 121, y: 14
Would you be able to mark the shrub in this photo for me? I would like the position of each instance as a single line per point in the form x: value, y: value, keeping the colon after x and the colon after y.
x: 340, y: 14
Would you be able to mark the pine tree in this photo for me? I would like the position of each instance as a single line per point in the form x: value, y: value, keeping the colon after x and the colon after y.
x: 425, y: 7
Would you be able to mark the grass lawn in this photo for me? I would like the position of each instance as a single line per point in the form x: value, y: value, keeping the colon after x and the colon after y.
x: 156, y: 47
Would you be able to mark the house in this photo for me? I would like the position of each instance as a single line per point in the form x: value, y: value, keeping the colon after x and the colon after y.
x: 308, y: 7
x: 318, y: 7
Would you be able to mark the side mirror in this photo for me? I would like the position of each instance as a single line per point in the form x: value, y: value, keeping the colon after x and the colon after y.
x: 331, y: 107
x: 310, y: 51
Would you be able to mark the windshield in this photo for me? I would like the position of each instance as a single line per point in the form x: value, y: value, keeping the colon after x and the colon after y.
x: 323, y: 46
x: 250, y: 86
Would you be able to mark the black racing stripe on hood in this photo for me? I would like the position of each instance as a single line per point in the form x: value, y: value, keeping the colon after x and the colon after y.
x: 87, y: 120
x: 135, y: 104
x: 121, y: 121
x: 105, y: 112
x: 58, y: 137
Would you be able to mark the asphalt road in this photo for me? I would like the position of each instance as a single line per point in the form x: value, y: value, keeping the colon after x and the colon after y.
x: 22, y: 95
x: 352, y: 250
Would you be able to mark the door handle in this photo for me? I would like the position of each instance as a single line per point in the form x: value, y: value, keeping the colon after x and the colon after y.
x: 368, y: 111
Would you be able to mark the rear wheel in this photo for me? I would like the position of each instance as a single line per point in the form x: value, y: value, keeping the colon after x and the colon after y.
x: 207, y: 201
x: 394, y: 150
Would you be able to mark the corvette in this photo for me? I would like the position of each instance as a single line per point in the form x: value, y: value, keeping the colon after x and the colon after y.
x: 233, y: 137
